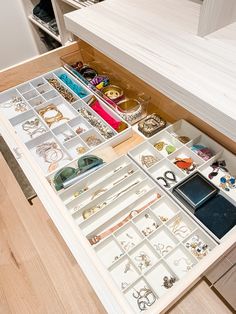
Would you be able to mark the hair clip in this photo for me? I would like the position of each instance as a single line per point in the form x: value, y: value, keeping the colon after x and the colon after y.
x: 168, y: 176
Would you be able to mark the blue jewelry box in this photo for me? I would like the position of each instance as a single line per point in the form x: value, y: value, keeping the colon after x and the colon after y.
x: 203, y: 199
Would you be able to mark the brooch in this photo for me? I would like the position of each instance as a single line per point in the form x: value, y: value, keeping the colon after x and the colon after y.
x: 151, y: 125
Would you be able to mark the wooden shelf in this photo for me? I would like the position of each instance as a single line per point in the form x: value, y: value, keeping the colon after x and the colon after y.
x: 44, y: 28
x: 78, y: 4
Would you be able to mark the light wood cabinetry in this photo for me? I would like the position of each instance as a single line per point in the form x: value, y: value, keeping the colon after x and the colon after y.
x: 108, y: 292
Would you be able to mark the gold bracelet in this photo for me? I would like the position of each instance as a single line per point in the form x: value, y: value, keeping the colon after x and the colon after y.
x: 58, y: 117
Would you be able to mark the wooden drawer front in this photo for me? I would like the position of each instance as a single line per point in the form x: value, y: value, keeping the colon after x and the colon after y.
x: 67, y: 213
x: 226, y: 286
x: 222, y: 267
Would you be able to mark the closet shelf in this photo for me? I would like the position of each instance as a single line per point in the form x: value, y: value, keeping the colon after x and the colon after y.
x: 78, y: 4
x: 44, y: 28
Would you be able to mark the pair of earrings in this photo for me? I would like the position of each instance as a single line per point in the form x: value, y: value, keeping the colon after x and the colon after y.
x: 168, y: 176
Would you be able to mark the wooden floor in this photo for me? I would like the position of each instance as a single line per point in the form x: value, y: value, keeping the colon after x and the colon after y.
x: 38, y: 274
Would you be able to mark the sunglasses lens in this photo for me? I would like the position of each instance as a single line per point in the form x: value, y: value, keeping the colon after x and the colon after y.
x: 87, y: 162
x: 63, y: 175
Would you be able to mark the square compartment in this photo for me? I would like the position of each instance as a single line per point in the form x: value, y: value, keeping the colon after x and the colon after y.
x: 147, y: 222
x: 144, y: 256
x: 163, y: 241
x: 138, y: 286
x: 24, y: 88
x: 181, y: 261
x: 36, y: 101
x: 167, y: 139
x: 79, y: 122
x: 109, y: 251
x: 51, y: 95
x: 185, y: 152
x: 42, y: 89
x: 64, y: 133
x: 183, y: 128
x: 45, y: 166
x: 124, y: 273
x: 28, y: 116
x: 230, y: 160
x: 201, y: 239
x: 30, y: 94
x: 165, y: 168
x: 7, y: 107
x: 76, y: 147
x: 165, y: 209
x: 38, y: 82
x: 88, y: 137
x: 65, y: 109
x: 156, y: 277
x: 144, y: 149
x: 128, y: 237
x: 207, y: 142
x: 181, y: 226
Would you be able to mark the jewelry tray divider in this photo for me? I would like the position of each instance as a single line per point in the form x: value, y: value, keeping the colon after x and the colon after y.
x: 117, y: 249
x: 165, y: 161
x: 120, y: 252
x: 38, y: 94
x: 116, y: 78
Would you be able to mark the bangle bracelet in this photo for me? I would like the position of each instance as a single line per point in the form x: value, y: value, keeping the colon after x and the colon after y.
x: 130, y: 110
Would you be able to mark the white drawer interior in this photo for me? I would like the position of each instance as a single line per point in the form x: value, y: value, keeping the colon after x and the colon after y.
x: 72, y: 135
x: 157, y: 241
x: 136, y: 228
x: 163, y: 165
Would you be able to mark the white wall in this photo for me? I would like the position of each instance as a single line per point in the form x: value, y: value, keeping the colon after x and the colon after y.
x: 16, y: 40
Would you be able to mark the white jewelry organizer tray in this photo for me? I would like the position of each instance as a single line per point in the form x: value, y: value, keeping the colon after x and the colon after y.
x: 158, y: 234
x: 165, y: 162
x: 38, y: 94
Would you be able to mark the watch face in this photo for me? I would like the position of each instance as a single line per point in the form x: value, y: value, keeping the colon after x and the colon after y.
x: 196, y: 190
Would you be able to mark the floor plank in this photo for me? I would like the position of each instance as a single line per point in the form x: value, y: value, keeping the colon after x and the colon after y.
x: 63, y: 275
x: 201, y: 299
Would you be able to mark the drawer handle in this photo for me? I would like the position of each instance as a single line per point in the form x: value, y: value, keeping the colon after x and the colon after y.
x: 18, y: 154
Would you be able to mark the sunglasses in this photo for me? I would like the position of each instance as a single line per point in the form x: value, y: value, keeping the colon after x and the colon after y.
x: 216, y: 166
x: 64, y: 177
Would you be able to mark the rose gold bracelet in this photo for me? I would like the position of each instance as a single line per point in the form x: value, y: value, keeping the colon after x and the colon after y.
x: 95, y: 239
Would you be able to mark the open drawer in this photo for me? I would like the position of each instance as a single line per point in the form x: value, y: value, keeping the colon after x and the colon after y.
x: 102, y: 262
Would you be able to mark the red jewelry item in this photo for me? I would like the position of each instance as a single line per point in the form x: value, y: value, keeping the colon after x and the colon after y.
x: 183, y: 163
